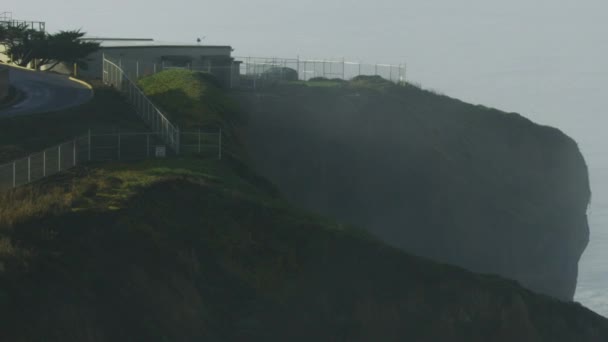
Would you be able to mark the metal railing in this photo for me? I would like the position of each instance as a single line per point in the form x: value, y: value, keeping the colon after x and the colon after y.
x: 252, y: 72
x: 45, y: 163
x: 115, y: 76
x: 102, y: 148
x: 6, y: 20
x: 307, y: 69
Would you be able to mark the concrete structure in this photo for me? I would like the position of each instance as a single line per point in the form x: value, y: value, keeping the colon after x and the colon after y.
x: 143, y: 56
x: 6, y: 20
x: 4, y: 83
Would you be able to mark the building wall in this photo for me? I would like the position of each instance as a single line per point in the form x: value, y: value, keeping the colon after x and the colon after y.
x: 4, y: 82
x: 150, y: 55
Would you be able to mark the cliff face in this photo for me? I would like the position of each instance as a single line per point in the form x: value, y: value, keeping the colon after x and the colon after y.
x: 467, y: 185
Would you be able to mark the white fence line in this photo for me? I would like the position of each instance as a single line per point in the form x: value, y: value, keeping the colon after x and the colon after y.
x: 102, y: 147
x: 114, y: 75
x: 322, y: 68
x: 255, y: 70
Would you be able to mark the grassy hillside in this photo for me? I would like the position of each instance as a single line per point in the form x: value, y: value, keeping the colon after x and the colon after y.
x: 190, y: 249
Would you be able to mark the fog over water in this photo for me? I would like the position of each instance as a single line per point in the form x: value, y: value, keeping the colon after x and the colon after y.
x: 544, y: 59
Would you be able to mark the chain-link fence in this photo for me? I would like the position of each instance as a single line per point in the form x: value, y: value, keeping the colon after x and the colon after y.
x: 251, y: 72
x: 48, y: 162
x: 104, y: 148
x: 114, y: 75
x: 307, y: 69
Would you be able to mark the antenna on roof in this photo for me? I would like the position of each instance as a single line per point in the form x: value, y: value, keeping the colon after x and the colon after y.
x: 199, y: 40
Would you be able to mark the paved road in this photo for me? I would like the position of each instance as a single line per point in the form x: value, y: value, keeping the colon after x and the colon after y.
x: 44, y: 92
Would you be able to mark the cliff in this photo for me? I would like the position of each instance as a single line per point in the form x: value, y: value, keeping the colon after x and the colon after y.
x: 195, y: 249
x: 462, y: 184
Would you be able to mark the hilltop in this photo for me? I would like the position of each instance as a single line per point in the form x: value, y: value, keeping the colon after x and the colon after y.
x: 192, y: 248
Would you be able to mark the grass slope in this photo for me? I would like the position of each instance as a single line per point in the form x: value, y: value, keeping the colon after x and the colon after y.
x: 189, y: 249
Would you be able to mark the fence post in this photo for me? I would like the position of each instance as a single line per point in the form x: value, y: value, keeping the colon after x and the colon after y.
x: 298, y: 61
x: 220, y: 145
x: 103, y: 68
x: 59, y: 159
x: 118, y: 145
x: 14, y: 175
x: 29, y: 169
x: 89, y: 143
x: 323, y: 68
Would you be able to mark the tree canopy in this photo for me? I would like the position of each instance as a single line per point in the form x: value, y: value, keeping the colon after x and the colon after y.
x: 25, y: 45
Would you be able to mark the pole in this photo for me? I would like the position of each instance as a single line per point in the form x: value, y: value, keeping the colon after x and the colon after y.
x: 298, y: 61
x: 137, y: 69
x: 29, y: 169
x: 59, y: 159
x: 14, y: 175
x: 44, y: 163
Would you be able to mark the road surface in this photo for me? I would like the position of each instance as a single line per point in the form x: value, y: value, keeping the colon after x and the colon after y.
x: 44, y: 92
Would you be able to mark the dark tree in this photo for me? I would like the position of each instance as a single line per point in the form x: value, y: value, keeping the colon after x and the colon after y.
x: 25, y: 45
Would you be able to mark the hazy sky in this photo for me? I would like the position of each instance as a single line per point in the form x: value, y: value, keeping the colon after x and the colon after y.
x: 519, y: 55
x: 546, y: 59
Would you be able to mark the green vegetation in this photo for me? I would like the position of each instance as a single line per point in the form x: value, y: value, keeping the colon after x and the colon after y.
x: 26, y: 45
x: 192, y: 248
x: 192, y: 99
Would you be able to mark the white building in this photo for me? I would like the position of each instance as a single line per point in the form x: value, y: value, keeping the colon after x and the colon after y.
x: 142, y: 56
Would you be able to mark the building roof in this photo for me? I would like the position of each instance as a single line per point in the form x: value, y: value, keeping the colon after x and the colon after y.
x: 111, y: 42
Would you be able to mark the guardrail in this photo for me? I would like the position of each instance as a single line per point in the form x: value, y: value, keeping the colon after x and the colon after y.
x: 115, y: 76
x: 105, y: 147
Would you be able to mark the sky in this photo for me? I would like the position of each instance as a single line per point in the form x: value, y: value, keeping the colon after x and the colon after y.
x: 545, y: 59
x: 506, y: 54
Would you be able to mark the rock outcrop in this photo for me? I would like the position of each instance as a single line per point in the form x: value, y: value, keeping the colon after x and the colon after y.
x: 468, y: 185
